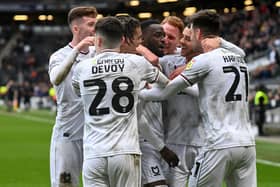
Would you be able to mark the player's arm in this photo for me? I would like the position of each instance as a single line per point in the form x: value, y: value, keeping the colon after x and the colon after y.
x: 161, y: 93
x: 209, y: 44
x: 168, y: 155
x: 230, y: 46
x: 59, y: 73
x: 152, y: 74
x: 149, y: 55
x: 193, y: 91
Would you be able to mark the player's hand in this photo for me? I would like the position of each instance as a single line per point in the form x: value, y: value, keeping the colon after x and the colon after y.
x: 148, y: 86
x: 177, y: 72
x: 169, y: 156
x: 149, y: 55
x: 85, y: 43
x: 209, y: 44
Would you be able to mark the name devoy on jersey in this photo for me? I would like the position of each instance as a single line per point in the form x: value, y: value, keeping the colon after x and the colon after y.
x: 108, y: 65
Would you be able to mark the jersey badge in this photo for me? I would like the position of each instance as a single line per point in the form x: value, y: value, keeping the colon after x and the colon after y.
x: 190, y: 64
x: 94, y: 62
x: 155, y: 171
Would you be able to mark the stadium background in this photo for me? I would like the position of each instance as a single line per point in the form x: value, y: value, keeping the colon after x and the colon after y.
x: 31, y: 30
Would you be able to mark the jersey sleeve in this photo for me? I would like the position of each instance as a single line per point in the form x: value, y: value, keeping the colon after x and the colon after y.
x: 196, y: 69
x: 60, y: 66
x: 151, y: 73
x: 231, y: 47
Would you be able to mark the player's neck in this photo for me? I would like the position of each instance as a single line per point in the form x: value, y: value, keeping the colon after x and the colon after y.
x: 75, y: 42
x: 189, y: 57
x: 117, y: 50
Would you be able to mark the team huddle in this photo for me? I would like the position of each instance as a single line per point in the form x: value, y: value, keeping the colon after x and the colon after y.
x: 151, y: 104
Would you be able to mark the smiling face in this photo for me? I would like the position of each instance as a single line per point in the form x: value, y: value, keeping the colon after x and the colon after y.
x: 186, y: 42
x: 172, y: 38
x: 153, y: 39
x: 136, y: 39
x: 187, y: 49
x: 196, y: 37
x: 85, y: 27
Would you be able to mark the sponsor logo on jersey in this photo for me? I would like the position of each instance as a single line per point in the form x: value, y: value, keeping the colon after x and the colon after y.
x: 190, y: 64
x: 94, y: 62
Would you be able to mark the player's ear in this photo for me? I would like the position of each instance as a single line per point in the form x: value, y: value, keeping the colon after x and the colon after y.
x: 199, y: 35
x: 123, y: 41
x: 98, y: 41
x: 75, y: 28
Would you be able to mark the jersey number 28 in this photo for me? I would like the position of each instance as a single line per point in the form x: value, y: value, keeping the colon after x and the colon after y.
x: 102, y: 88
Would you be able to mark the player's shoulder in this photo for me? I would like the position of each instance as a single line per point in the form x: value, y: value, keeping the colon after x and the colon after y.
x: 208, y: 56
x: 132, y: 56
x: 61, y: 53
x: 172, y: 57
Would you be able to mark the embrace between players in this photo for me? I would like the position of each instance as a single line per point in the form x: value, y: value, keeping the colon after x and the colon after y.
x: 111, y: 124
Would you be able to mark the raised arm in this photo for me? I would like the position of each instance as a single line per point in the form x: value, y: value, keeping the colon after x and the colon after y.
x: 60, y: 72
x: 209, y: 44
x: 149, y: 55
x: 162, y: 93
x: 230, y: 46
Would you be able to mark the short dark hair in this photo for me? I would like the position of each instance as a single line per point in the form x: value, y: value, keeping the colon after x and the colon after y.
x: 206, y: 20
x: 129, y: 24
x: 79, y: 12
x: 145, y: 24
x: 111, y: 29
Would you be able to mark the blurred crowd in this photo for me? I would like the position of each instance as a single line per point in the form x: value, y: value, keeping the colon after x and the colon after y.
x: 257, y: 32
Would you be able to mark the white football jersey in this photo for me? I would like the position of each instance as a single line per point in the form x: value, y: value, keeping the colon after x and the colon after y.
x: 222, y: 78
x: 109, y: 86
x: 182, y: 120
x: 170, y: 62
x: 70, y: 117
x: 152, y: 112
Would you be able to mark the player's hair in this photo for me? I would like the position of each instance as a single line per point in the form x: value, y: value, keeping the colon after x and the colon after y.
x: 207, y: 21
x: 79, y: 12
x: 145, y: 24
x: 111, y: 30
x: 175, y: 22
x: 130, y: 24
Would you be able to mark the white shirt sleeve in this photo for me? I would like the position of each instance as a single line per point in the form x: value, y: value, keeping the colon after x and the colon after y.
x: 230, y: 46
x: 152, y: 74
x: 59, y: 72
x: 159, y: 93
x: 193, y: 91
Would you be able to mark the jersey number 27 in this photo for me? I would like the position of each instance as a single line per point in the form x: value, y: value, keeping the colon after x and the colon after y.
x: 231, y: 95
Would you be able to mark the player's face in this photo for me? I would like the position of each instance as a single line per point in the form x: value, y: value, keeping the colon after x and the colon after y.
x: 154, y: 39
x: 172, y: 37
x: 137, y: 38
x: 86, y: 27
x: 194, y: 36
x: 129, y: 46
x: 186, y: 43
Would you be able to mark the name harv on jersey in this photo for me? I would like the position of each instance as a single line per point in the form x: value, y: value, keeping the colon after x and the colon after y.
x: 231, y: 58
